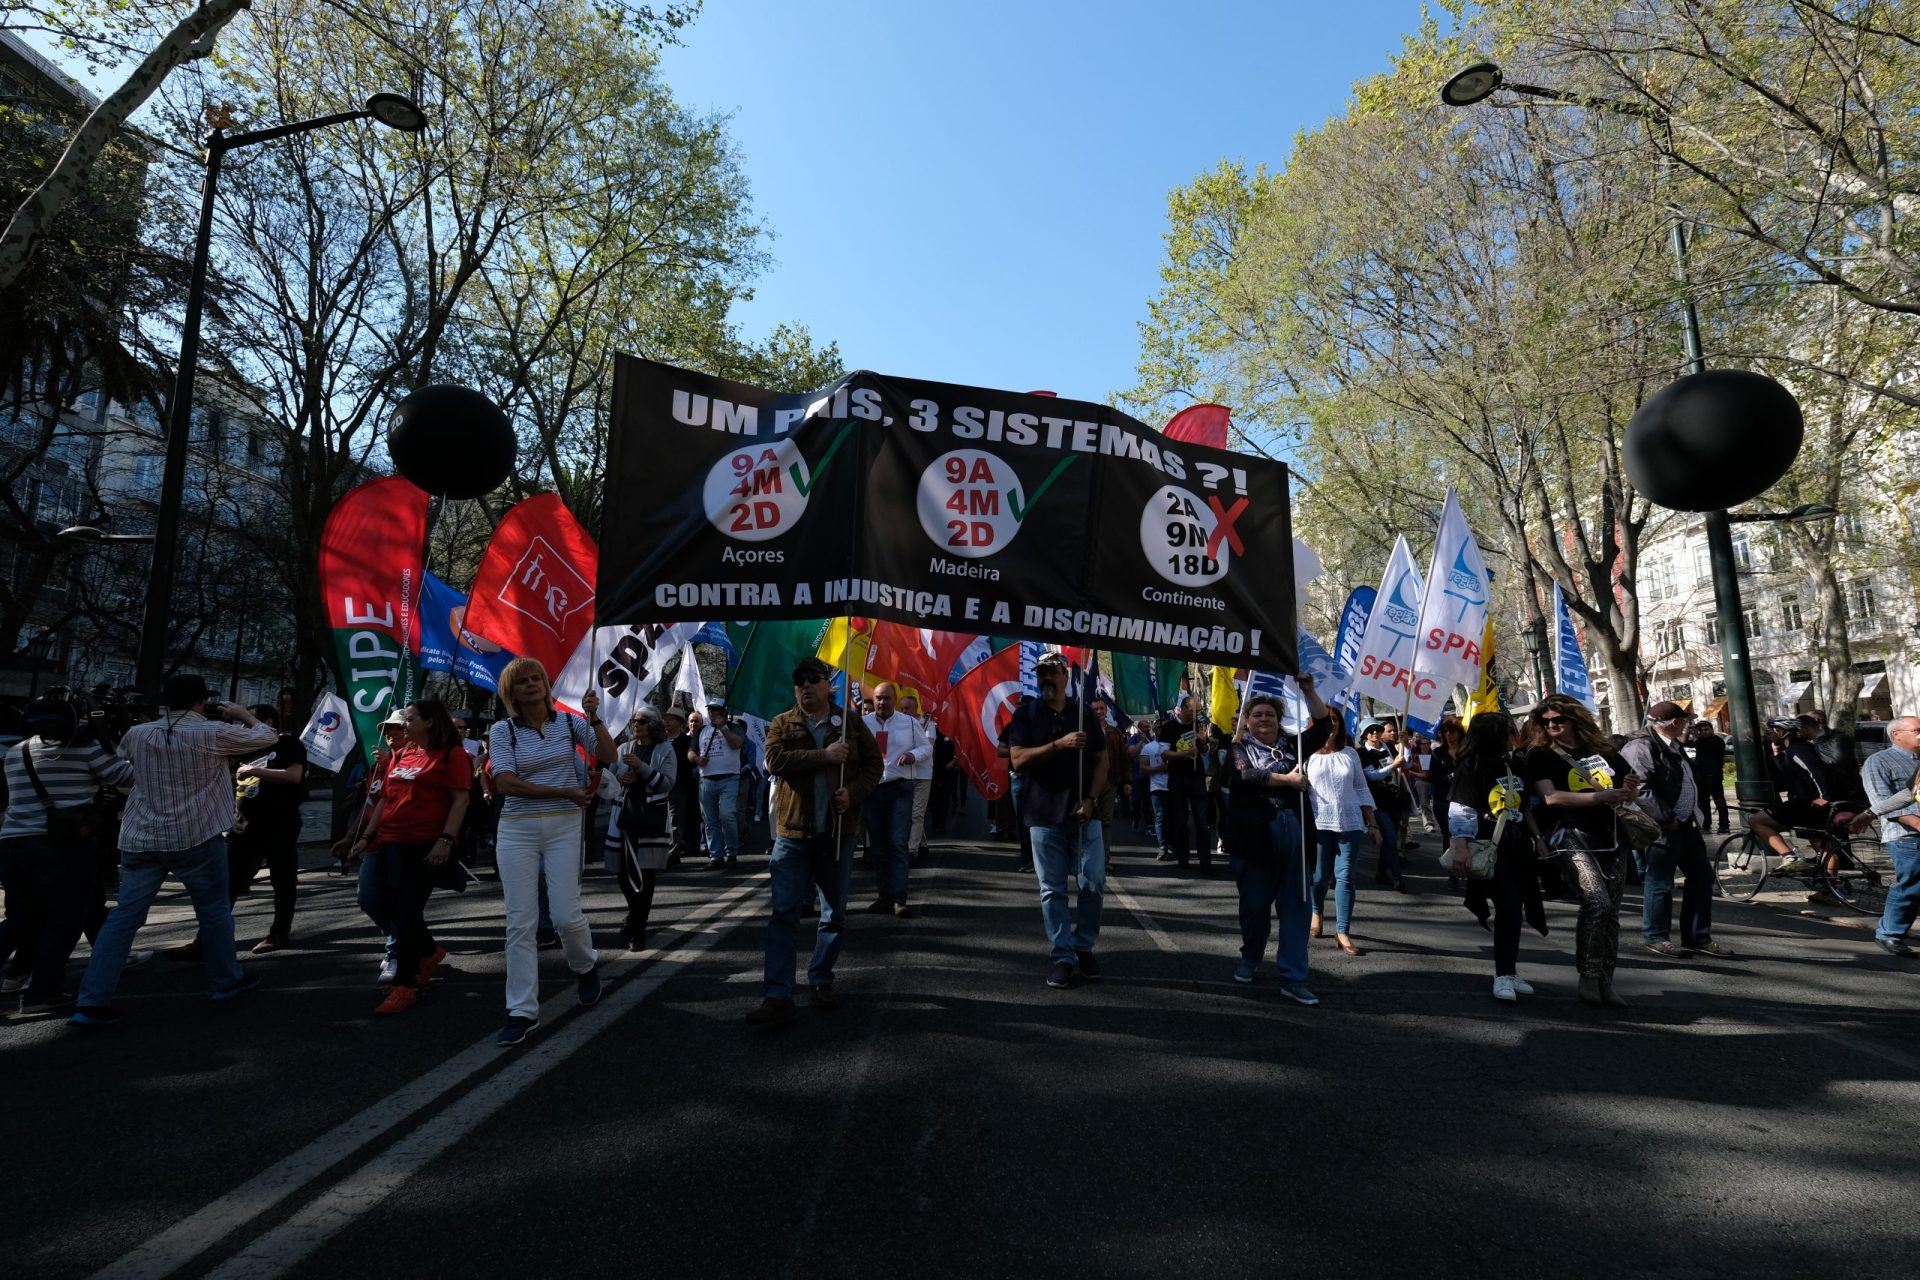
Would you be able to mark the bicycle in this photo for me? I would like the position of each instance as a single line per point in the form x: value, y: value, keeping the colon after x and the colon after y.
x: 1857, y: 880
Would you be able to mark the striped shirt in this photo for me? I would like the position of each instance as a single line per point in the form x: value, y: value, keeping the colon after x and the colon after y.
x: 545, y: 755
x: 183, y: 779
x: 72, y: 775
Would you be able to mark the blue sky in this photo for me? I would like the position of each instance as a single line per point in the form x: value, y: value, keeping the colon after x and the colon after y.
x: 976, y: 192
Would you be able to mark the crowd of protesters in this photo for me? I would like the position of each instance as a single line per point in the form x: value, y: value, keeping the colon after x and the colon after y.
x: 1522, y: 807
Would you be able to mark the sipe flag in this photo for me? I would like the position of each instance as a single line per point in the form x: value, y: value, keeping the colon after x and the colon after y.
x: 1453, y: 613
x: 954, y: 508
x: 1386, y: 670
x: 977, y: 713
x: 371, y: 554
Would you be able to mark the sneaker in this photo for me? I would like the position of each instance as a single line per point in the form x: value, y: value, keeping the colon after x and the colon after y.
x: 822, y: 996
x: 137, y: 958
x: 1503, y: 988
x: 1522, y: 986
x: 1060, y: 975
x: 1820, y: 897
x: 1794, y: 867
x: 1298, y: 993
x: 1708, y: 947
x: 770, y: 1013
x: 238, y: 989
x: 427, y: 966
x: 1089, y: 967
x: 399, y: 1000
x: 589, y: 986
x: 1024, y: 869
x: 268, y: 943
x: 1668, y: 948
x: 879, y: 907
x: 902, y: 911
x: 1896, y: 947
x: 60, y: 1002
x: 98, y: 1015
x: 389, y: 970
x: 516, y: 1031
x: 546, y: 940
x: 185, y: 953
x: 1243, y: 972
x: 1163, y: 856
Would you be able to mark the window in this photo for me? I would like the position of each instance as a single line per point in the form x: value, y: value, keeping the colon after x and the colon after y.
x: 256, y: 446
x: 1659, y: 580
x: 1752, y: 620
x: 1703, y: 563
x: 1711, y: 626
x: 146, y: 475
x: 1790, y: 613
x: 1779, y: 555
x: 1673, y: 637
x: 1742, y: 553
x: 1852, y: 526
x: 1861, y: 606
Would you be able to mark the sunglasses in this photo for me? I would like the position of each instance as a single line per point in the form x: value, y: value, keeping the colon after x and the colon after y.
x: 801, y: 679
x: 1550, y: 722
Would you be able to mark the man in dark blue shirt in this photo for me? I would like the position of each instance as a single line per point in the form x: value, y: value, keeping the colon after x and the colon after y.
x: 1061, y: 755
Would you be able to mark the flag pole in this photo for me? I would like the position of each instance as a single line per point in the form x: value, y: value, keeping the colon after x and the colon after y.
x: 847, y: 713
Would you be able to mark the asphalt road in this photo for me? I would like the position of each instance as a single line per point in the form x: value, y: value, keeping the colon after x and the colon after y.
x: 1753, y: 1117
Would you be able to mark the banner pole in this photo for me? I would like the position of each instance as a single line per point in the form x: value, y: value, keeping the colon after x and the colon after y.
x: 1306, y: 802
x: 848, y: 712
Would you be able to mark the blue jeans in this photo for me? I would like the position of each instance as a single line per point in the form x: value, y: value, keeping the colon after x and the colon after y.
x: 802, y: 869
x: 203, y: 870
x: 1070, y: 848
x: 1903, y: 898
x: 1275, y: 886
x: 1159, y: 805
x: 720, y: 810
x: 370, y: 893
x: 1334, y: 866
x: 1684, y: 849
x: 1389, y: 844
x: 889, y: 814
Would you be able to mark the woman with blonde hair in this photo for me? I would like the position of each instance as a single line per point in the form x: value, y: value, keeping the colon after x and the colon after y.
x: 536, y: 754
x: 1581, y: 781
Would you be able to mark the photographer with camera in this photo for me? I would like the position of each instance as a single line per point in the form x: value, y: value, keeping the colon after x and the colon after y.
x: 50, y: 842
x: 175, y: 823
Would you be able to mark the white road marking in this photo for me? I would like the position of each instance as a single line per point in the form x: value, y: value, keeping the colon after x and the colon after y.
x: 172, y: 1249
x: 1148, y: 924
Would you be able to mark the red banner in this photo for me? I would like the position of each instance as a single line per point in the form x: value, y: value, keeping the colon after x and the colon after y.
x: 976, y: 712
x: 370, y: 575
x: 1204, y: 424
x: 534, y: 592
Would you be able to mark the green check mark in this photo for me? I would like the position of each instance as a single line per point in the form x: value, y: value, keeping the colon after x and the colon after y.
x: 806, y: 486
x: 1013, y: 495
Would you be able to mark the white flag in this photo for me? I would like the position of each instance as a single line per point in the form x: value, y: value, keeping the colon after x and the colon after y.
x: 329, y: 736
x: 623, y: 664
x: 690, y: 682
x: 1453, y: 614
x: 1385, y: 669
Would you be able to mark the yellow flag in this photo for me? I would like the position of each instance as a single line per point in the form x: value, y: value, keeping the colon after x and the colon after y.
x: 834, y: 642
x: 1487, y: 696
x: 1226, y: 700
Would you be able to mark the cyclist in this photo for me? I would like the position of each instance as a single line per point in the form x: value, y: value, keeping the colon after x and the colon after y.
x: 1799, y: 771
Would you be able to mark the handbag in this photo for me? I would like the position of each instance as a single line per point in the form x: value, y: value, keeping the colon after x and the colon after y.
x: 73, y: 828
x: 1484, y: 855
x: 643, y: 815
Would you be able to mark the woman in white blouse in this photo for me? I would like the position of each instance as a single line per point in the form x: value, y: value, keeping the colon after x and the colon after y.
x: 1342, y: 809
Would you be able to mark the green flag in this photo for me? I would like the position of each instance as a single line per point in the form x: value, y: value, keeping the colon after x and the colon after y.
x: 760, y: 682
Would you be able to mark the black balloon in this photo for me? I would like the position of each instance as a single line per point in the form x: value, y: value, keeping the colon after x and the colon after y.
x: 451, y: 441
x: 1712, y: 440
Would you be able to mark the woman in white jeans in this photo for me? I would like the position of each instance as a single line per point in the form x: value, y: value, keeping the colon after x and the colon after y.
x: 538, y: 770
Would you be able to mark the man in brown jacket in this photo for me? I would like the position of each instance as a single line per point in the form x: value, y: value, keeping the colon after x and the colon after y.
x: 825, y: 764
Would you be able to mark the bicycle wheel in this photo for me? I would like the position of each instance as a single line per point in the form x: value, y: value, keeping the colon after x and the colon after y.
x: 1859, y: 881
x: 1745, y: 861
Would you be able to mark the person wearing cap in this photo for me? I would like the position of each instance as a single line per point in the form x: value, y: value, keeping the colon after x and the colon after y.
x: 903, y: 744
x: 49, y: 888
x: 1802, y: 774
x: 1061, y: 754
x: 825, y: 764
x: 716, y: 754
x: 1671, y: 798
x: 175, y: 823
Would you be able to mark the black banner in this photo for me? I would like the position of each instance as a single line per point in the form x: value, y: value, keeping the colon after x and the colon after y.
x: 957, y: 508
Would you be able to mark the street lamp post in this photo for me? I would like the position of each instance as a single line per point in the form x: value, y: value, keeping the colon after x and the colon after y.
x: 390, y: 109
x: 1479, y: 82
x: 1535, y: 638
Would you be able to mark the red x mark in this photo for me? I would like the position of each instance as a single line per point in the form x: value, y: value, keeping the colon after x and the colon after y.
x: 1223, y: 525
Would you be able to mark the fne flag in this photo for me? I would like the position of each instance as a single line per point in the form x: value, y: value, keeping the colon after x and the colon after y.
x: 1569, y: 668
x: 328, y: 736
x: 1386, y: 669
x: 447, y: 645
x: 1453, y: 613
x: 1346, y: 654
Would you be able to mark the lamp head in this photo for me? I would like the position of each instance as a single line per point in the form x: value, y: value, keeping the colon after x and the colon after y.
x: 397, y: 111
x: 1475, y: 84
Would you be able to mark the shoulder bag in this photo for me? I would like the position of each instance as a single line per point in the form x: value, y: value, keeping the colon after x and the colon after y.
x: 73, y: 828
x: 1634, y: 828
x: 643, y: 815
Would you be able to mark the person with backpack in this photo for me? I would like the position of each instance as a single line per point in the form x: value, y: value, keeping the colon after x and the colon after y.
x: 1671, y: 798
x: 47, y: 854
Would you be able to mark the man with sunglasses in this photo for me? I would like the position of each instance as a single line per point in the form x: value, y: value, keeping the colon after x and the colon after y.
x: 825, y: 764
x: 1671, y: 798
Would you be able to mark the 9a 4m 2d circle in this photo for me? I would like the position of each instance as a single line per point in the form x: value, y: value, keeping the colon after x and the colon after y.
x: 757, y: 492
x: 969, y: 503
x: 1175, y: 529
